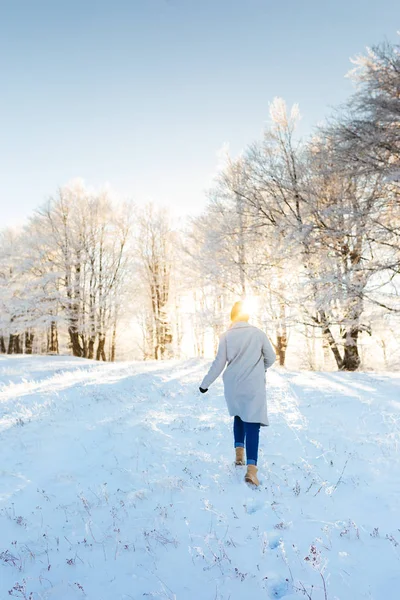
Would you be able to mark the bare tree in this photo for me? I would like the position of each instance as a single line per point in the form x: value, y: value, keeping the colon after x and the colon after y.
x: 154, y: 244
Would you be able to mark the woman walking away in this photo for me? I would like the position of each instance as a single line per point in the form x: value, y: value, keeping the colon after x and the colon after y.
x: 249, y: 353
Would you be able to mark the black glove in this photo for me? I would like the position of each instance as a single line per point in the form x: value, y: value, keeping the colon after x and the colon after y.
x: 203, y: 391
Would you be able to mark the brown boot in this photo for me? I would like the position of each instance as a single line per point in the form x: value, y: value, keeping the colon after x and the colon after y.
x: 239, y: 456
x: 251, y: 475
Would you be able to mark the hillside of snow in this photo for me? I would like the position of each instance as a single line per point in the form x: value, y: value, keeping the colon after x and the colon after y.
x: 117, y: 482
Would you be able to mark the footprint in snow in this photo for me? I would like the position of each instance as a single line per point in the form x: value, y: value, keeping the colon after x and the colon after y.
x: 273, y: 542
x: 279, y: 589
x: 253, y: 505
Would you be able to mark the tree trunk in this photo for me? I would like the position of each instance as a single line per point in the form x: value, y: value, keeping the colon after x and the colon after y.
x: 75, y: 345
x: 14, y: 344
x: 10, y: 349
x: 165, y: 333
x: 326, y: 332
x: 92, y: 326
x: 29, y: 342
x: 2, y: 345
x: 74, y: 295
x: 84, y: 346
x: 281, y: 339
x: 91, y: 347
x: 101, y: 353
x: 52, y: 338
x: 113, y: 343
x: 351, y: 358
x: 280, y: 349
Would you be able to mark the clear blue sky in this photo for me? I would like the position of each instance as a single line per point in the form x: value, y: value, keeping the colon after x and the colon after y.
x: 143, y: 93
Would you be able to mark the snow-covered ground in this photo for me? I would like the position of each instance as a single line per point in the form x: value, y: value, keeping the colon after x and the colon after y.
x: 117, y: 482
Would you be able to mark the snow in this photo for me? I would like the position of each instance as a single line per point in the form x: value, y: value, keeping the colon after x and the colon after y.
x: 117, y: 482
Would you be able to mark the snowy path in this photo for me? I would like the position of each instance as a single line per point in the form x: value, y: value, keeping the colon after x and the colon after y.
x: 117, y: 482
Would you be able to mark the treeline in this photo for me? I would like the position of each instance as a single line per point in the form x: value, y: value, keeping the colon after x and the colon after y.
x: 314, y: 227
x: 309, y: 228
x: 74, y: 268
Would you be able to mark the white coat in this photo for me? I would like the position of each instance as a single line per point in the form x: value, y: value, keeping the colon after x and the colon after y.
x: 249, y: 353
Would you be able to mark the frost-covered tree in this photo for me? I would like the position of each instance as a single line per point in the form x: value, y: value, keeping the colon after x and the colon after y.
x: 231, y: 252
x: 365, y: 138
x: 80, y: 239
x: 366, y: 130
x: 343, y: 206
x: 154, y: 245
x: 309, y: 224
x: 11, y: 285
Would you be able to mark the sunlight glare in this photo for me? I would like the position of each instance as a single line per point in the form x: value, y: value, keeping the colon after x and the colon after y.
x: 250, y: 304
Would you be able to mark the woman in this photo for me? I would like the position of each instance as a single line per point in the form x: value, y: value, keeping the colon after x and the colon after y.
x: 249, y: 353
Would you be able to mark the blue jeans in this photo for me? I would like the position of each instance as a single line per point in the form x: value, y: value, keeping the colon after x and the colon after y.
x: 251, y: 433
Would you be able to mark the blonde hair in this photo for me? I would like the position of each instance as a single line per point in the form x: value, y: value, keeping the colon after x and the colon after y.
x: 238, y: 312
